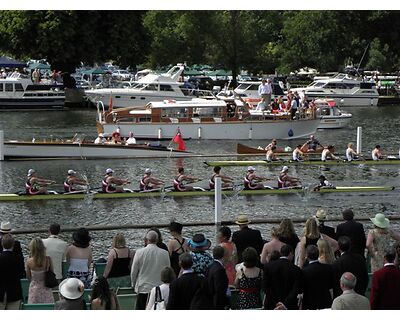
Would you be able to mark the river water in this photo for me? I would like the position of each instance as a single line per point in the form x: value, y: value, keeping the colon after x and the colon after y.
x: 380, y: 126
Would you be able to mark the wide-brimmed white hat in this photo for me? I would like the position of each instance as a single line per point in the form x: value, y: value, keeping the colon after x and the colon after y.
x: 71, y: 288
x: 380, y: 221
x: 5, y: 227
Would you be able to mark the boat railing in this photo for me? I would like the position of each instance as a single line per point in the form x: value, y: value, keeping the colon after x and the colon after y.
x: 100, y: 111
x: 198, y: 93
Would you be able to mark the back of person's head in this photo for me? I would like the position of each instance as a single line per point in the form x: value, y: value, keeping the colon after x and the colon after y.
x: 286, y: 250
x: 348, y: 280
x: 185, y: 261
x: 312, y: 252
x: 101, y: 290
x: 217, y: 169
x: 175, y: 227
x: 7, y: 242
x: 250, y: 257
x: 286, y: 228
x: 344, y: 243
x: 225, y: 232
x: 275, y: 255
x: 167, y: 275
x: 218, y: 252
x: 159, y: 236
x: 54, y: 229
x: 152, y: 236
x: 119, y: 241
x: 348, y: 214
x: 311, y: 229
x: 325, y: 250
x: 37, y: 251
x: 390, y: 255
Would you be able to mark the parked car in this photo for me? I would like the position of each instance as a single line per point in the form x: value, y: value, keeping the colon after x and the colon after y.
x: 121, y: 75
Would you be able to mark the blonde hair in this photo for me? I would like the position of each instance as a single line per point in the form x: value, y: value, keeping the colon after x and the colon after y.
x: 119, y: 241
x: 326, y: 251
x: 37, y: 251
x: 311, y: 230
x: 350, y: 145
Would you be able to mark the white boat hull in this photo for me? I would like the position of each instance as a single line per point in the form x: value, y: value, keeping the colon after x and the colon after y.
x: 348, y: 100
x: 334, y: 122
x: 85, y: 151
x: 231, y: 130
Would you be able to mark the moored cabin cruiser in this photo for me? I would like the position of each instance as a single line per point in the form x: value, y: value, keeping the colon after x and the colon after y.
x: 344, y: 89
x: 152, y: 87
x: 203, y: 119
x: 331, y: 116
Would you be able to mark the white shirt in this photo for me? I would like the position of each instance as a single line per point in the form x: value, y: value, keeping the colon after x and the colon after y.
x: 146, y: 268
x: 131, y: 140
x: 55, y: 249
x: 264, y: 88
x: 99, y: 140
x: 164, y: 288
x: 296, y: 155
x: 374, y: 155
x: 324, y: 154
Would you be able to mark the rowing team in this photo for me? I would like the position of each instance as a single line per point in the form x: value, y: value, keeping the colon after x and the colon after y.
x: 327, y: 154
x: 111, y: 184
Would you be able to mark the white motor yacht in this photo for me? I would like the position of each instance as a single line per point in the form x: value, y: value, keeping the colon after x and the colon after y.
x: 331, y: 116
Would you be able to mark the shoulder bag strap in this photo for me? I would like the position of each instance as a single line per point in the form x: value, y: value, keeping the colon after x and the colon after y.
x: 116, y: 253
x: 158, y: 297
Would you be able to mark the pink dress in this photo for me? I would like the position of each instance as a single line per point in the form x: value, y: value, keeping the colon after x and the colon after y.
x: 230, y: 260
x: 38, y: 292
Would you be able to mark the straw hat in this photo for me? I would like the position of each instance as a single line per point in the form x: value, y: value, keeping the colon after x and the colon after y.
x: 242, y: 219
x: 71, y: 288
x: 199, y: 241
x: 320, y: 215
x: 5, y: 227
x: 380, y: 221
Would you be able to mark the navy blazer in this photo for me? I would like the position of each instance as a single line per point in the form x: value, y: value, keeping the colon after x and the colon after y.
x: 12, y: 269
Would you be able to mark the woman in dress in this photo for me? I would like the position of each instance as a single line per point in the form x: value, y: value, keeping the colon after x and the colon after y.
x: 79, y: 256
x: 230, y: 253
x: 287, y: 234
x: 274, y: 245
x: 249, y: 280
x: 102, y: 298
x: 167, y: 276
x: 177, y: 245
x: 119, y: 261
x: 326, y: 254
x: 380, y: 239
x: 36, y: 266
x: 201, y: 258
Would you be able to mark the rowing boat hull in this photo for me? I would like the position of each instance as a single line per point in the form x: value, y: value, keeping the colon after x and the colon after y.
x: 127, y: 195
x: 237, y: 163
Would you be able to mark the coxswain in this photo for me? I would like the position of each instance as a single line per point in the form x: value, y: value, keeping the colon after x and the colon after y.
x: 180, y: 178
x: 252, y: 181
x: 271, y: 156
x: 150, y: 183
x: 376, y: 153
x: 111, y: 184
x: 286, y: 181
x: 272, y: 144
x: 327, y: 153
x: 227, y: 182
x: 72, y: 180
x: 323, y: 184
x: 297, y: 154
x: 350, y: 153
x: 131, y: 139
x: 35, y: 185
x: 116, y: 136
x: 311, y: 145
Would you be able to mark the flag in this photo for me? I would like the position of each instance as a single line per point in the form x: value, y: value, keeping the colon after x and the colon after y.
x: 179, y: 140
x: 110, y: 104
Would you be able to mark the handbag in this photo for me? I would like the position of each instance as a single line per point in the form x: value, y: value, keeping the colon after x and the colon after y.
x: 159, y: 303
x: 50, y: 280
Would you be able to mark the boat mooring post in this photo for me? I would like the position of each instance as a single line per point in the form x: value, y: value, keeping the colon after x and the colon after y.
x: 218, y: 203
x: 1, y: 145
x: 359, y: 139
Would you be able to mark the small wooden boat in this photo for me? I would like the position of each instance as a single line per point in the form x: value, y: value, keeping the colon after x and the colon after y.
x: 196, y: 193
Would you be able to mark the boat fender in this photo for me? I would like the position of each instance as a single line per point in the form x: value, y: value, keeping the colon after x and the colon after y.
x: 290, y: 133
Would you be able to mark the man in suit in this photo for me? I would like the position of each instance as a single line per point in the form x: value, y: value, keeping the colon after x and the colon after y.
x: 55, y: 249
x: 320, y: 216
x: 282, y: 281
x: 217, y: 280
x: 183, y: 289
x: 6, y: 229
x: 354, y: 230
x: 317, y: 282
x: 147, y: 265
x: 385, y: 289
x: 11, y: 271
x: 246, y: 237
x: 349, y: 299
x: 350, y: 262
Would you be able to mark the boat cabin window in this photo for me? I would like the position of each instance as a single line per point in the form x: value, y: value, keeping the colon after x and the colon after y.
x: 151, y: 87
x: 253, y: 87
x: 165, y: 87
x: 243, y: 86
x: 9, y: 87
x: 174, y: 113
x: 18, y: 87
x: 317, y: 84
x: 1, y: 87
x: 325, y: 111
x: 366, y: 85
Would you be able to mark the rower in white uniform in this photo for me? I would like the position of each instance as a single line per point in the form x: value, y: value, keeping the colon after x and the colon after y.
x: 297, y: 154
x: 327, y: 154
x: 271, y: 155
x: 350, y: 153
x: 376, y: 153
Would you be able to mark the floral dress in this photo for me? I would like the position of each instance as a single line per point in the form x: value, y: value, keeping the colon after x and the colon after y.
x: 382, y: 242
x: 201, y: 261
x: 250, y: 291
x: 38, y: 292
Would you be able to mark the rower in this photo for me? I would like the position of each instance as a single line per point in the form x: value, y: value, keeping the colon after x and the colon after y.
x: 376, y: 153
x: 286, y: 181
x: 251, y: 181
x: 272, y: 144
x: 327, y: 153
x: 35, y: 185
x: 350, y: 153
x: 72, y: 180
x: 227, y: 182
x: 271, y: 156
x: 297, y: 154
x: 180, y: 178
x: 131, y: 139
x: 311, y: 145
x: 111, y: 184
x: 323, y: 184
x: 150, y: 183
